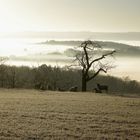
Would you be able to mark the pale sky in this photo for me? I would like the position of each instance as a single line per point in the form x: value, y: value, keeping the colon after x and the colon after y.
x: 70, y: 15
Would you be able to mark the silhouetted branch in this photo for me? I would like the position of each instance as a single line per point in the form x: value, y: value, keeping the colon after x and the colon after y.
x: 102, y: 57
x: 96, y: 73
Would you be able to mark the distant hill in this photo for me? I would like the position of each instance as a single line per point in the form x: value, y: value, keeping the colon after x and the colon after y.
x: 122, y: 49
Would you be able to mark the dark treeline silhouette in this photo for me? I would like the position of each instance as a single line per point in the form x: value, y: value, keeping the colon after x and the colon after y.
x: 54, y: 78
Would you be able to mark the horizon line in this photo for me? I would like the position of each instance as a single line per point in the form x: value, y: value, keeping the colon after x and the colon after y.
x: 51, y: 31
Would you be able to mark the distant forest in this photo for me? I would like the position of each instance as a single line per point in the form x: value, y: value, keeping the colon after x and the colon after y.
x: 53, y: 78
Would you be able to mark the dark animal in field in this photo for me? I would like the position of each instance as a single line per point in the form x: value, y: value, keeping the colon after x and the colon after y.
x: 97, y: 90
x: 74, y: 89
x: 61, y: 89
x: 102, y: 87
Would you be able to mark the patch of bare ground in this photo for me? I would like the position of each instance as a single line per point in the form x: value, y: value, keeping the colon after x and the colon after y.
x: 36, y: 115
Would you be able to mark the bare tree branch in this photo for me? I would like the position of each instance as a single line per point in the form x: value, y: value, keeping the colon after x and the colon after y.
x: 87, y: 58
x: 102, y: 57
x: 81, y: 60
x: 96, y: 73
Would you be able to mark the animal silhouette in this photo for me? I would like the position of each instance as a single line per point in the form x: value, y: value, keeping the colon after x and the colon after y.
x: 74, y: 89
x: 97, y: 90
x: 102, y: 87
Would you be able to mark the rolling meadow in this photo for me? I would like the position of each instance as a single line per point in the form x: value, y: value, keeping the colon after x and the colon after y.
x: 40, y: 115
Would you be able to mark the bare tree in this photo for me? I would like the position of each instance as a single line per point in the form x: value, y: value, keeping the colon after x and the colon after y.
x: 90, y: 56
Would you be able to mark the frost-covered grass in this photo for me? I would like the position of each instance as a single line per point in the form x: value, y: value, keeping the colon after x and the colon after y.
x: 36, y: 115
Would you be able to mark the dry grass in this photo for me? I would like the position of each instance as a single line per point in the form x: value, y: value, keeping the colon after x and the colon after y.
x: 34, y: 115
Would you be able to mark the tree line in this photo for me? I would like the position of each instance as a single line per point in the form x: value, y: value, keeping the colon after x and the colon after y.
x: 54, y: 78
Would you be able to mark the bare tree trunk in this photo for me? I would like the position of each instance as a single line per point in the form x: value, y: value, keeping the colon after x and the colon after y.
x: 84, y: 82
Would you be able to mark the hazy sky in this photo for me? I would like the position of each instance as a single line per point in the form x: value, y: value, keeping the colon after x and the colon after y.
x: 70, y: 15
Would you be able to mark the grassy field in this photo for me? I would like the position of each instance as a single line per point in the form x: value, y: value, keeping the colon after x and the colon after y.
x: 36, y: 115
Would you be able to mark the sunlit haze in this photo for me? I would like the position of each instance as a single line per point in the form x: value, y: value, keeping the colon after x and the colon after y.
x: 27, y: 26
x: 69, y: 15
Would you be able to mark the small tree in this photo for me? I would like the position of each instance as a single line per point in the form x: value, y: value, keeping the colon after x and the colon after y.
x: 90, y: 57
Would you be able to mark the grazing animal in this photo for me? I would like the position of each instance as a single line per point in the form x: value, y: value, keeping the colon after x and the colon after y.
x: 97, y: 90
x: 74, y: 89
x: 102, y: 87
x: 61, y: 89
